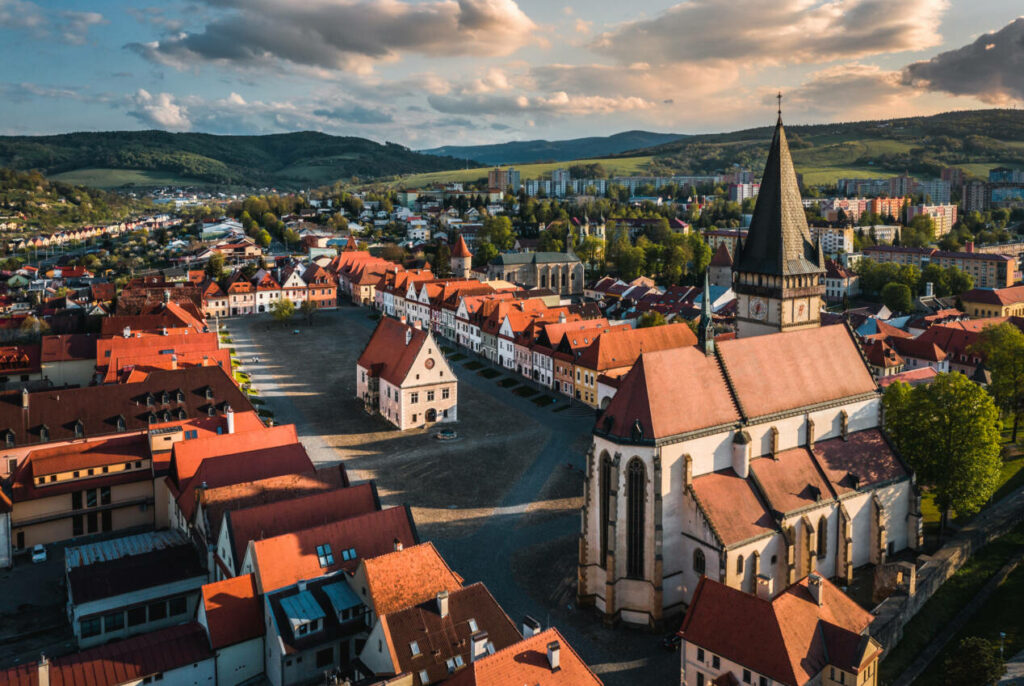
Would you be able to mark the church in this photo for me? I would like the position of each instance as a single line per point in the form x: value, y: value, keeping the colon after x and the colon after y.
x: 753, y: 461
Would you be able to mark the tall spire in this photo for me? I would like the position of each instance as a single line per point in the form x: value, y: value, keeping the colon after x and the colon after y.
x: 706, y: 327
x: 778, y: 241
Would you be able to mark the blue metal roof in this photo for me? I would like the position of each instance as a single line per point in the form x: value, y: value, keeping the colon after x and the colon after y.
x: 302, y: 608
x: 341, y: 596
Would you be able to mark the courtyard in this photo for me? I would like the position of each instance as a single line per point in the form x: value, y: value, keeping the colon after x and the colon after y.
x: 500, y: 502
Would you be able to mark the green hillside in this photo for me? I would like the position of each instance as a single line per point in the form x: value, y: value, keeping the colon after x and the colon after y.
x: 973, y: 140
x: 290, y: 160
x: 619, y: 166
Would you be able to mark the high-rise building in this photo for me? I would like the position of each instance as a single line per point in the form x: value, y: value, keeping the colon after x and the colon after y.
x: 514, y: 179
x: 498, y: 178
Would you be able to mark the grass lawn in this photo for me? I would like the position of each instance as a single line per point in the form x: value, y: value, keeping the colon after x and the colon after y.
x: 111, y: 178
x: 508, y: 383
x: 543, y: 400
x: 474, y: 365
x: 456, y: 357
x: 525, y: 392
x: 488, y: 373
x: 948, y: 600
x: 1001, y: 613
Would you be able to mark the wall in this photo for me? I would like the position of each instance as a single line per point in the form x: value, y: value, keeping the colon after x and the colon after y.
x: 120, y: 603
x: 70, y: 372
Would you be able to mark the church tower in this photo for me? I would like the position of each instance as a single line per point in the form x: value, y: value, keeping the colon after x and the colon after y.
x: 779, y: 272
x: 461, y: 260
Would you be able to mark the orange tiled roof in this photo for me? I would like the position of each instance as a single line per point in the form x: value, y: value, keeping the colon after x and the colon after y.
x: 188, y: 455
x: 408, y: 577
x: 621, y: 348
x: 234, y: 611
x: 732, y: 507
x: 526, y: 662
x: 388, y: 354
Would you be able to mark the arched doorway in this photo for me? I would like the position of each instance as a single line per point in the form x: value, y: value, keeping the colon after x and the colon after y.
x: 431, y: 415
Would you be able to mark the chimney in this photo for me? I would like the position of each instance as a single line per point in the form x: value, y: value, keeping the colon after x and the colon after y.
x: 417, y: 324
x: 24, y: 397
x: 561, y: 318
x: 408, y: 335
x: 531, y: 627
x: 206, y: 360
x: 741, y: 454
x: 969, y: 246
x: 929, y: 289
x: 764, y: 587
x: 127, y: 332
x: 174, y: 360
x: 44, y: 670
x: 403, y: 319
x: 163, y: 331
x: 554, y: 656
x: 229, y: 415
x: 479, y: 646
x: 814, y: 585
x: 810, y: 433
x: 398, y: 546
x: 302, y: 584
x: 442, y: 603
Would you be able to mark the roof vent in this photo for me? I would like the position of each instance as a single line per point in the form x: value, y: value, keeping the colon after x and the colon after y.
x: 127, y: 332
x: 531, y: 627
x: 442, y: 603
x: 408, y: 336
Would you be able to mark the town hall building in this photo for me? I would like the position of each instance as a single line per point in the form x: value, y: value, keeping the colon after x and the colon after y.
x: 754, y: 461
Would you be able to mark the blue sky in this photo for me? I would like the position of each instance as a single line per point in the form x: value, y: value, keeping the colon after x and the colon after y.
x: 435, y: 72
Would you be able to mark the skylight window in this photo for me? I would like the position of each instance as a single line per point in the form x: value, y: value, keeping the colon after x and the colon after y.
x: 414, y: 648
x: 472, y: 625
x: 349, y: 554
x: 324, y: 555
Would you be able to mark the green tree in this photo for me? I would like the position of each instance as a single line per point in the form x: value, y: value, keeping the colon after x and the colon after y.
x: 630, y: 262
x: 938, y: 277
x: 948, y: 432
x: 308, y: 309
x: 651, y: 318
x: 591, y: 251
x: 498, y: 230
x: 1003, y: 349
x: 959, y: 281
x: 442, y: 264
x: 896, y: 297
x: 975, y: 661
x: 283, y: 310
x: 263, y: 238
x: 290, y: 237
x: 485, y: 253
x: 215, y: 266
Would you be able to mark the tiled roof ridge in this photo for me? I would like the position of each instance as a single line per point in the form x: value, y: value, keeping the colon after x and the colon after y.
x: 381, y: 558
x: 724, y: 368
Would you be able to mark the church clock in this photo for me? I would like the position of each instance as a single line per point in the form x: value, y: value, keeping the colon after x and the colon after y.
x: 758, y: 309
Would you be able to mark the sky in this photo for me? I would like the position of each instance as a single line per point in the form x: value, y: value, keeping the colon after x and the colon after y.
x: 426, y: 73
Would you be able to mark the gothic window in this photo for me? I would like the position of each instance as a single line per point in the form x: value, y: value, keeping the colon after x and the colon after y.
x: 822, y: 537
x: 739, y: 565
x: 604, y: 490
x: 698, y: 561
x: 636, y: 486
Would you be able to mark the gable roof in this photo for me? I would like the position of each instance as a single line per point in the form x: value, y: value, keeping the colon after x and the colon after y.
x: 526, y: 662
x: 234, y: 611
x: 283, y: 560
x: 732, y: 507
x: 188, y: 455
x: 621, y: 348
x: 790, y: 481
x: 721, y: 258
x: 994, y: 296
x: 408, y: 577
x: 789, y: 639
x: 392, y: 350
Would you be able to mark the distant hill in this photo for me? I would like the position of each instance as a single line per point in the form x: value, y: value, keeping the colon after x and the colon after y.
x: 973, y: 140
x: 289, y: 160
x: 525, y: 152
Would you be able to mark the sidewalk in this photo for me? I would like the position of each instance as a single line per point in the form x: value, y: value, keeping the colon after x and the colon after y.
x: 1014, y: 671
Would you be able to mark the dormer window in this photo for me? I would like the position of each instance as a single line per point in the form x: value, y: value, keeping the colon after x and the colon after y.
x: 152, y: 418
x: 211, y: 411
x: 121, y: 425
x: 9, y: 439
x: 209, y: 393
x: 165, y: 398
x: 182, y: 414
x: 179, y: 396
x: 414, y: 649
x: 44, y: 433
x: 79, y: 429
x: 150, y: 400
x: 324, y: 555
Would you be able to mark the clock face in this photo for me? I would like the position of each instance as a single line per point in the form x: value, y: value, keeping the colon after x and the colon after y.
x: 758, y: 308
x: 429, y: 364
x: 801, y: 311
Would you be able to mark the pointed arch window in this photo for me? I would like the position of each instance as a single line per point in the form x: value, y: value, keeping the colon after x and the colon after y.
x: 699, y: 564
x: 739, y: 565
x: 604, y: 493
x: 636, y: 487
x: 822, y: 537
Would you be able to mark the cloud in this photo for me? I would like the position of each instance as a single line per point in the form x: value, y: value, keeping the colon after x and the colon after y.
x: 784, y: 31
x: 583, y: 26
x: 348, y: 35
x: 159, y: 111
x: 356, y: 114
x: 855, y: 91
x: 991, y: 68
x: 558, y: 103
x: 69, y: 26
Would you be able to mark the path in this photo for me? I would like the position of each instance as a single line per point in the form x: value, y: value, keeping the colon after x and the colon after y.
x: 1014, y: 671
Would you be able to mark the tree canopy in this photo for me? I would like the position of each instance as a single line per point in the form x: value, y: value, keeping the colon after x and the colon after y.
x: 1003, y: 350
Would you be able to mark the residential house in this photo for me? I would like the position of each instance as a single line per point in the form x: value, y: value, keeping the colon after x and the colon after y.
x: 231, y: 612
x: 994, y: 302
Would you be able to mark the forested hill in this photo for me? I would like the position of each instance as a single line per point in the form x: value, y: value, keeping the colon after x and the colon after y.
x: 288, y: 160
x: 973, y: 140
x: 524, y: 152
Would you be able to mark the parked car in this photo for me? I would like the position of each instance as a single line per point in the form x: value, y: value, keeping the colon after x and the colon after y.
x: 446, y: 435
x: 38, y: 553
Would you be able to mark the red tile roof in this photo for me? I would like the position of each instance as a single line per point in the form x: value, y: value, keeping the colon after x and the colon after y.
x: 120, y: 662
x: 779, y: 372
x: 913, y: 377
x: 526, y: 662
x: 234, y: 611
x: 788, y: 639
x: 732, y: 506
x: 408, y: 577
x: 69, y: 347
x: 621, y: 347
x: 298, y: 512
x: 721, y: 258
x: 188, y: 455
x: 994, y: 296
x: 791, y: 480
x: 283, y: 560
x: 863, y: 460
x: 919, y: 349
x: 461, y: 249
x: 388, y: 354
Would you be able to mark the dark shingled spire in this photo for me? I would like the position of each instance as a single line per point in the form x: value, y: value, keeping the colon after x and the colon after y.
x: 778, y: 242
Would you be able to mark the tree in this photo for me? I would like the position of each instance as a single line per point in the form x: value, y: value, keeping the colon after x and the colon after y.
x: 948, y: 432
x: 975, y: 661
x: 1003, y: 349
x: 308, y: 308
x: 263, y: 238
x: 938, y: 277
x: 215, y: 266
x: 896, y: 297
x: 498, y: 230
x: 442, y: 264
x: 651, y: 318
x: 959, y: 280
x: 290, y: 236
x: 630, y: 262
x: 283, y: 310
x: 591, y: 250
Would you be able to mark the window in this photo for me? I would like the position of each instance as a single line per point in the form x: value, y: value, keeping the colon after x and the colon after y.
x: 746, y: 676
x: 113, y: 622
x: 76, y: 500
x: 430, y: 396
x: 105, y: 495
x: 459, y: 662
x: 414, y: 398
x: 414, y: 648
x: 636, y: 484
x: 137, y: 616
x: 189, y: 435
x: 424, y: 679
x: 763, y: 681
x: 700, y: 655
x: 177, y: 606
x: 76, y: 526
x: 698, y: 561
x: 157, y: 611
x: 715, y: 662
x: 324, y: 555
x: 451, y: 665
x: 90, y: 627
x: 90, y: 498
x: 739, y: 565
x: 445, y: 393
x: 348, y: 554
x: 700, y: 679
